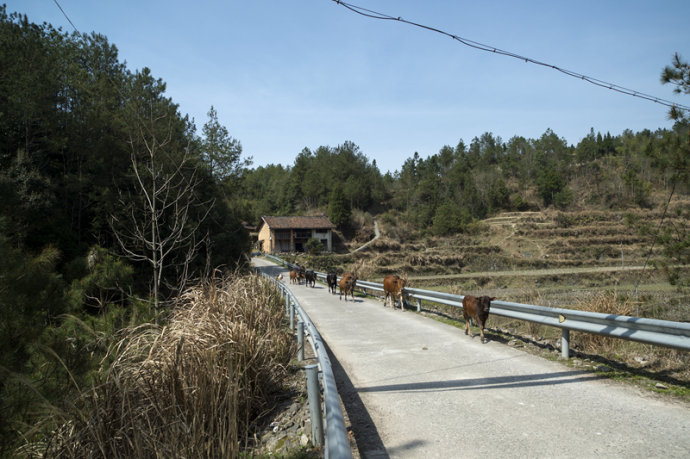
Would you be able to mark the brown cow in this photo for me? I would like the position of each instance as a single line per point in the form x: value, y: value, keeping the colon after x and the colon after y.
x: 347, y: 284
x: 301, y: 275
x: 294, y: 276
x: 393, y: 285
x: 477, y: 309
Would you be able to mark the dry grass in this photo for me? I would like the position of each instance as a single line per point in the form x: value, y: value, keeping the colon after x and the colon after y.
x: 607, y: 302
x: 190, y: 388
x: 666, y: 363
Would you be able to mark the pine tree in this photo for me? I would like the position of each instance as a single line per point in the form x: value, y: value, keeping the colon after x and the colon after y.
x: 338, y: 208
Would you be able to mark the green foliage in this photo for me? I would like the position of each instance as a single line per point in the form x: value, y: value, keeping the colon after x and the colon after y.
x: 549, y: 183
x: 31, y: 295
x: 104, y: 284
x: 77, y: 127
x: 677, y: 74
x: 310, y: 183
x: 219, y: 151
x: 563, y: 198
x: 338, y: 209
x: 450, y: 219
x: 674, y: 159
x: 314, y: 246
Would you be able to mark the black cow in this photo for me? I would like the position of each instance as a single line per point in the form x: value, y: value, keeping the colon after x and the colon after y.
x: 332, y: 281
x: 310, y: 278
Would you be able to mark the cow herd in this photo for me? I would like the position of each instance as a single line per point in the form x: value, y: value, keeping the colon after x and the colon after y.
x: 301, y: 274
x: 347, y: 282
x: 474, y: 308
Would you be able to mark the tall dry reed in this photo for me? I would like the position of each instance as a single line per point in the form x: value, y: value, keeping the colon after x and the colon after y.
x: 607, y: 302
x: 188, y: 389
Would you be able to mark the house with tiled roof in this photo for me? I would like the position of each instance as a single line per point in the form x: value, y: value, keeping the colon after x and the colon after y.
x: 290, y: 234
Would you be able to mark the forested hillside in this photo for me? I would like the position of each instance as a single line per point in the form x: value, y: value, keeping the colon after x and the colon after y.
x: 446, y: 193
x: 467, y: 182
x: 110, y: 203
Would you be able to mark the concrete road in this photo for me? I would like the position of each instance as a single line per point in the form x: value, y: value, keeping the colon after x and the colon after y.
x: 417, y: 388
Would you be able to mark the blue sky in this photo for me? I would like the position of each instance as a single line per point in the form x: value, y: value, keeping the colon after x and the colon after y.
x: 288, y: 74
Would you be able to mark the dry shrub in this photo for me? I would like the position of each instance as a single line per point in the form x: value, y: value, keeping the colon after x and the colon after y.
x: 385, y: 244
x: 191, y: 388
x: 530, y: 294
x: 607, y: 302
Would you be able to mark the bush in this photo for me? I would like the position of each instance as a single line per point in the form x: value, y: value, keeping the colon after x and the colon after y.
x: 314, y: 246
x: 450, y: 219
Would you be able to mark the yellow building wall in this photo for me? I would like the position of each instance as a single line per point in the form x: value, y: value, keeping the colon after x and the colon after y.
x: 265, y: 239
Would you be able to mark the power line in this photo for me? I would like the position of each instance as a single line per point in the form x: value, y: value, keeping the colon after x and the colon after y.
x: 492, y: 49
x: 65, y: 14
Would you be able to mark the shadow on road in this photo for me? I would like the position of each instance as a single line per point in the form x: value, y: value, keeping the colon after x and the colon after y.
x: 498, y: 382
x: 363, y: 429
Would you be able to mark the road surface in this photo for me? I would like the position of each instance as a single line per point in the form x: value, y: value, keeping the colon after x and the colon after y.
x: 417, y: 388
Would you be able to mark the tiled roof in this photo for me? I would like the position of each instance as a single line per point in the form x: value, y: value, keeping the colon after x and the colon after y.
x: 315, y: 222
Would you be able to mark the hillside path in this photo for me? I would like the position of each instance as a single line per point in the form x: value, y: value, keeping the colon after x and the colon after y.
x: 377, y: 234
x: 414, y: 387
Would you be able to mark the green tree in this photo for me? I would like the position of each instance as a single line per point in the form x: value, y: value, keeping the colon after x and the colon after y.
x: 338, y: 208
x: 314, y: 246
x: 450, y: 219
x: 677, y: 74
x: 549, y: 183
x: 674, y: 158
x: 32, y: 297
x: 220, y: 152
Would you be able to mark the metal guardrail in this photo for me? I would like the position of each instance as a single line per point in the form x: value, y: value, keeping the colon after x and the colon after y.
x: 337, y: 445
x: 651, y: 331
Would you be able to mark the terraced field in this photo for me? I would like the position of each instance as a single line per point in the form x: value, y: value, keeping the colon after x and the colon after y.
x: 548, y: 258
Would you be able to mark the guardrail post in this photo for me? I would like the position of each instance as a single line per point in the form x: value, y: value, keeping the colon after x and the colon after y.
x: 565, y: 343
x: 314, y: 395
x: 300, y: 341
x: 287, y: 304
x: 419, y: 305
x: 292, y: 316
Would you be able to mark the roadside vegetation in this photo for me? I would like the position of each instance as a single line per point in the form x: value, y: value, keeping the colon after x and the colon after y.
x: 196, y: 387
x: 110, y: 207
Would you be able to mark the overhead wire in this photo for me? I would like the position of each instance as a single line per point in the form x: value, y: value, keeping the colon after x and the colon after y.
x: 67, y: 17
x: 492, y: 49
x: 483, y: 47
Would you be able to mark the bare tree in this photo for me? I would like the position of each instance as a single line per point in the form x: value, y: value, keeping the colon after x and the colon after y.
x: 163, y: 212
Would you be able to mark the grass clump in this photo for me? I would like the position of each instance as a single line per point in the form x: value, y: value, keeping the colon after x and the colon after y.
x: 607, y: 302
x: 190, y: 388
